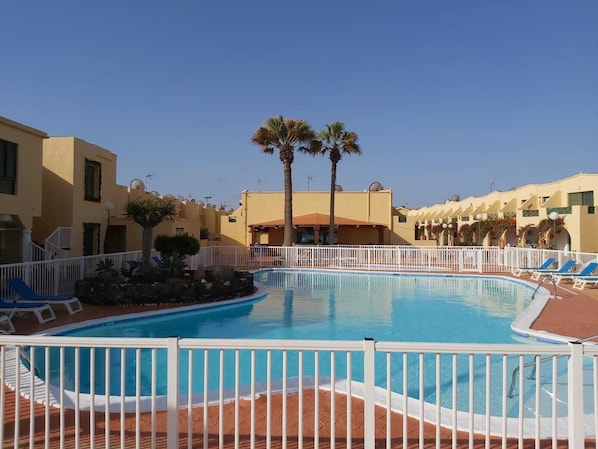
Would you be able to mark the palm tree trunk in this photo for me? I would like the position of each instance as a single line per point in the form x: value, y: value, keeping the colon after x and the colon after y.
x: 146, y: 246
x: 288, y: 205
x: 332, y: 195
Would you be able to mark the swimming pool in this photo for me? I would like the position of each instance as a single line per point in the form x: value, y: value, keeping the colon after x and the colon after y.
x: 341, y: 306
x: 318, y: 305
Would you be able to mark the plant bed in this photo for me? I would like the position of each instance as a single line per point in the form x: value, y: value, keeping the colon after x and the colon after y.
x: 110, y: 288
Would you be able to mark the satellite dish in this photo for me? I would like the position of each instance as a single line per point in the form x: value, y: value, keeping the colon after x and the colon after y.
x: 170, y: 196
x: 193, y: 200
x: 375, y: 187
x: 455, y: 197
x: 137, y: 184
x: 338, y: 188
x: 201, y: 203
x: 153, y: 192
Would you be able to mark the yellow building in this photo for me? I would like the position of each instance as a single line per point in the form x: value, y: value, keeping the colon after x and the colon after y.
x: 560, y: 215
x: 20, y: 188
x: 61, y: 192
x: 360, y: 218
x: 83, y: 207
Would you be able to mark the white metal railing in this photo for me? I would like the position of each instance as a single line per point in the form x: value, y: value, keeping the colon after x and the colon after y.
x: 58, y: 276
x: 376, y: 257
x: 159, y: 389
x: 59, y: 242
x: 37, y: 252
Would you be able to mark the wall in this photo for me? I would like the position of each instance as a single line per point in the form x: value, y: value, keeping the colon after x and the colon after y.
x: 27, y: 202
x: 263, y: 207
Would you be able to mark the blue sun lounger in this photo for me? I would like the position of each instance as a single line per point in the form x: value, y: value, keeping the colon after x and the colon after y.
x: 545, y: 266
x: 585, y: 272
x: 11, y: 308
x: 580, y: 282
x: 159, y: 263
x: 9, y: 327
x: 537, y: 274
x: 27, y: 294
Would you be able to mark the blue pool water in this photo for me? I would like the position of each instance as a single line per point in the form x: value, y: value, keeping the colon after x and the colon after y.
x: 349, y: 306
x: 325, y: 306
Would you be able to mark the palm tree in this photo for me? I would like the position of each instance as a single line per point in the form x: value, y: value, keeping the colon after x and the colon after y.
x: 336, y: 141
x: 149, y: 213
x: 286, y: 135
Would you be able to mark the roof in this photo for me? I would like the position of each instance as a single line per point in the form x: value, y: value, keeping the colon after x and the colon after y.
x: 317, y: 220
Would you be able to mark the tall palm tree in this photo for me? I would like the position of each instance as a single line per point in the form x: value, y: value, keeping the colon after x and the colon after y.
x: 286, y: 135
x: 336, y: 141
x: 150, y: 212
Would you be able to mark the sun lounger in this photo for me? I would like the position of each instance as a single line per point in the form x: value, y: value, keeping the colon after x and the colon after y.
x: 580, y: 283
x: 6, y: 324
x: 585, y: 272
x: 545, y: 266
x: 159, y: 263
x: 39, y: 309
x: 27, y: 294
x: 537, y: 274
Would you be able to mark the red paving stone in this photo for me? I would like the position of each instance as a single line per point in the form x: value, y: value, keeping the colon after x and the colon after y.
x: 574, y: 315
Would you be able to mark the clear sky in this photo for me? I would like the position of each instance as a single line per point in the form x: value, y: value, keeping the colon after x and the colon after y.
x: 446, y: 96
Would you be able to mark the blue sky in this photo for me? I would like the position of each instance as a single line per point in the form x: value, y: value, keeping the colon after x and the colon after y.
x: 445, y: 96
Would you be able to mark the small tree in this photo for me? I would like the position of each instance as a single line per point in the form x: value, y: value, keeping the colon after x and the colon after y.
x: 150, y: 212
x: 174, y: 248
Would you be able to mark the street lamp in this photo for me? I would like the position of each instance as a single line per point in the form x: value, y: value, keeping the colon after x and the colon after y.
x: 554, y: 216
x: 108, y: 206
x: 450, y: 227
x: 478, y: 217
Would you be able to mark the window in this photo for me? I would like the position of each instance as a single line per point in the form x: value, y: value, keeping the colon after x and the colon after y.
x: 581, y: 198
x: 8, y: 167
x: 93, y: 180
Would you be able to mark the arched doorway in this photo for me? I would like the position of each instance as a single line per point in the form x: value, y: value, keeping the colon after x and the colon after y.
x: 563, y: 239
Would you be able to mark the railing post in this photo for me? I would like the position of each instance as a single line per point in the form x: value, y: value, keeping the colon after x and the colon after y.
x: 575, y: 423
x: 172, y: 394
x: 480, y: 260
x: 369, y: 403
x: 56, y: 264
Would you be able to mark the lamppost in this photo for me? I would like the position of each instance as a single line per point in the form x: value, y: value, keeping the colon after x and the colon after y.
x: 448, y: 226
x: 554, y: 216
x: 478, y: 217
x: 108, y: 206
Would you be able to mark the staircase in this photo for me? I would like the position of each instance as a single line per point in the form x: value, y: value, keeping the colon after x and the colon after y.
x: 57, y: 244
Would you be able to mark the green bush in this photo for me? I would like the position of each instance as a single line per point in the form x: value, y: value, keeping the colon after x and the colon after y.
x: 181, y: 245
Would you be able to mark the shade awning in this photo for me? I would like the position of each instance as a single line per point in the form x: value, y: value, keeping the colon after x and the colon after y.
x: 311, y: 220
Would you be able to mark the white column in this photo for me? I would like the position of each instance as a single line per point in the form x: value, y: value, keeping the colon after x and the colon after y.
x: 26, y: 248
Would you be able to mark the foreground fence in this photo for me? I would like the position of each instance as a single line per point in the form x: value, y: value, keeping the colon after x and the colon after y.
x: 177, y: 393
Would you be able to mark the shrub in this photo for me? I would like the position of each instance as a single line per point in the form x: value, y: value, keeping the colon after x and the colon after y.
x: 182, y: 245
x: 223, y: 274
